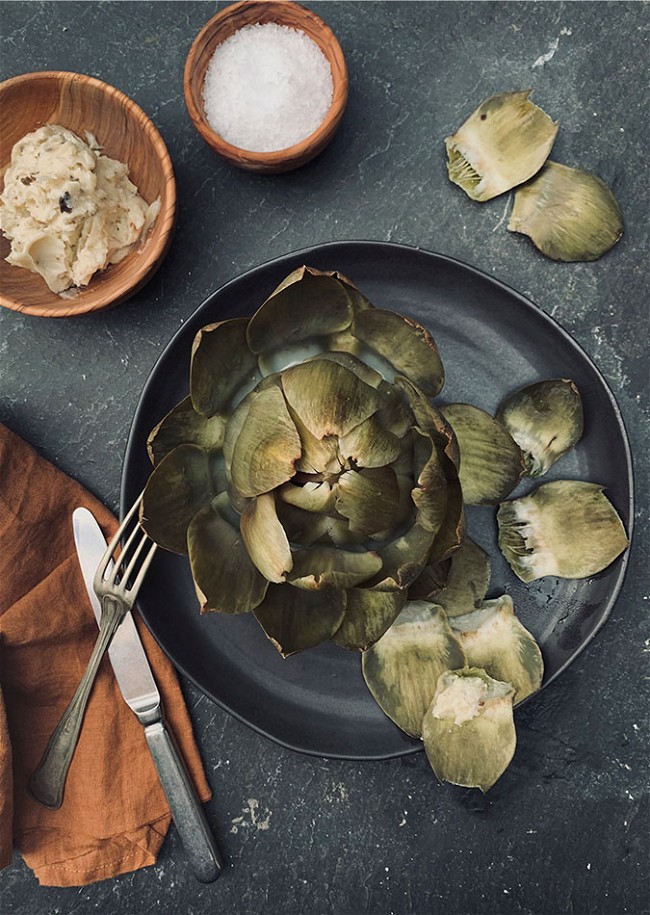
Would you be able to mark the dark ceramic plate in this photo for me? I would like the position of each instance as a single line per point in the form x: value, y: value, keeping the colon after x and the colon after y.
x: 492, y: 340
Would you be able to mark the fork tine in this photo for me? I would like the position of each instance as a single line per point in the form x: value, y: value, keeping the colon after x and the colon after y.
x: 133, y: 560
x: 108, y: 555
x: 135, y: 587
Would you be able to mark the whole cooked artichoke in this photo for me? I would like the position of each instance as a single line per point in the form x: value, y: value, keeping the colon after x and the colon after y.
x: 307, y: 475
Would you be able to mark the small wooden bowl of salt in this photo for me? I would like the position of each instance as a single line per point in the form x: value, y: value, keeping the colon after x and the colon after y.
x: 266, y: 85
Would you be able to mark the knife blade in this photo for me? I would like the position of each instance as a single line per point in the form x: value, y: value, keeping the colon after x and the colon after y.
x: 138, y: 687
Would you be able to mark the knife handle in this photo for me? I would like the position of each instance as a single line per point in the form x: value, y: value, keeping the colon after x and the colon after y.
x: 187, y: 810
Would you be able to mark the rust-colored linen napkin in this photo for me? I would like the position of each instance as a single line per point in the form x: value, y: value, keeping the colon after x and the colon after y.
x: 114, y: 816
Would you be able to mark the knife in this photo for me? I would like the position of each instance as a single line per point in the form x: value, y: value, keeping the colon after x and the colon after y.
x: 140, y: 692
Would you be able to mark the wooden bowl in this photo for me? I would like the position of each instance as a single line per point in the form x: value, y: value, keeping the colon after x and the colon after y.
x: 225, y: 24
x: 124, y: 131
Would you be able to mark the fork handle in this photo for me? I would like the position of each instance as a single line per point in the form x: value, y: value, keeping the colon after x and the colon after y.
x: 48, y: 781
x: 187, y: 811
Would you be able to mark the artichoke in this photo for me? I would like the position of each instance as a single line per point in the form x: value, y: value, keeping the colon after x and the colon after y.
x: 307, y: 476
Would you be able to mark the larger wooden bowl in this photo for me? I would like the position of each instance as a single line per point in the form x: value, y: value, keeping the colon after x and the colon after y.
x: 221, y: 27
x: 82, y: 103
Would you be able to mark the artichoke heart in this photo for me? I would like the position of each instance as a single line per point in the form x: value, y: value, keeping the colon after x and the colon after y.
x: 569, y: 214
x: 502, y: 144
x: 566, y: 528
x: 546, y: 420
x: 468, y: 730
x: 401, y: 669
x: 495, y: 640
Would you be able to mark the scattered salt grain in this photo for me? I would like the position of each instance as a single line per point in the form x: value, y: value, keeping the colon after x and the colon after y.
x: 267, y: 87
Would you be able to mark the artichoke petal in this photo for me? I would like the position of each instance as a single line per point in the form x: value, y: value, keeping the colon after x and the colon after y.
x: 308, y: 303
x: 221, y: 365
x: 225, y: 578
x: 566, y: 528
x: 295, y: 620
x: 312, y: 497
x: 546, y: 420
x: 569, y: 214
x: 178, y: 487
x: 328, y: 567
x: 495, y: 640
x: 265, y: 539
x: 403, y: 558
x: 367, y: 617
x: 491, y: 462
x: 468, y: 730
x: 363, y: 371
x: 404, y: 344
x: 431, y: 581
x: 502, y: 144
x: 468, y: 581
x: 369, y: 498
x: 328, y: 398
x: 430, y: 493
x: 402, y: 669
x: 319, y: 455
x: 268, y: 445
x: 369, y: 444
x: 184, y: 426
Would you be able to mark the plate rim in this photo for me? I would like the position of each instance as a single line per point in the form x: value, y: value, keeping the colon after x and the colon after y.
x: 319, y: 250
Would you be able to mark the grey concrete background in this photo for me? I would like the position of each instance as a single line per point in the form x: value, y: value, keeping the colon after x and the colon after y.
x: 565, y: 830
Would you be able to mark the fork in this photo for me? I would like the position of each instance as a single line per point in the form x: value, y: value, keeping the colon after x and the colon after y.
x: 116, y: 584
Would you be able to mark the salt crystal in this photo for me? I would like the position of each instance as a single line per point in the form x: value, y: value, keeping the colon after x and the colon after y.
x: 267, y: 87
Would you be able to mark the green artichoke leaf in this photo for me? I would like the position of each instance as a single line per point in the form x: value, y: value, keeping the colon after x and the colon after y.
x: 350, y: 362
x: 225, y: 577
x: 545, y: 419
x: 324, y: 567
x: 319, y: 455
x: 568, y: 214
x: 402, y: 668
x: 180, y: 485
x: 295, y: 620
x: 491, y: 462
x: 184, y: 426
x: 431, y: 581
x: 495, y: 640
x: 368, y: 498
x: 302, y: 527
x: 452, y: 531
x: 328, y: 398
x: 265, y: 538
x: 430, y: 421
x: 566, y: 528
x: 502, y: 144
x: 430, y: 492
x: 370, y: 444
x: 308, y: 303
x: 367, y: 617
x: 403, y: 559
x: 468, y: 581
x: 221, y: 365
x: 404, y: 344
x: 468, y: 730
x: 394, y: 414
x: 268, y: 445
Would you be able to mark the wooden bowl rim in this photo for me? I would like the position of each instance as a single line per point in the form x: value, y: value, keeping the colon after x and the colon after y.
x: 239, y: 154
x: 154, y: 250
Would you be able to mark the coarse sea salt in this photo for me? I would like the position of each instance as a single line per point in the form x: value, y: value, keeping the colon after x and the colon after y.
x: 267, y: 87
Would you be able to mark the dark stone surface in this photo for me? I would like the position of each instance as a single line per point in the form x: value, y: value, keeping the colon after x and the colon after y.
x: 565, y: 829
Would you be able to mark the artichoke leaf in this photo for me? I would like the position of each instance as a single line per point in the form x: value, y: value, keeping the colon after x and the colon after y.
x: 350, y: 362
x: 405, y: 344
x: 184, y: 426
x: 495, y: 640
x: 468, y: 581
x: 295, y: 620
x: 468, y: 730
x: 452, y: 530
x: 430, y: 492
x: 369, y: 444
x: 394, y: 413
x: 328, y: 398
x: 312, y: 497
x: 368, y: 498
x: 569, y: 214
x: 545, y: 419
x: 491, y: 462
x: 319, y: 455
x: 502, y: 144
x: 402, y: 668
x: 403, y: 558
x: 267, y: 447
x: 566, y: 528
x: 431, y: 581
x: 327, y: 567
x: 430, y: 421
x: 367, y: 617
x: 180, y: 485
x: 225, y: 578
x: 265, y: 538
x: 221, y: 365
x: 308, y: 303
